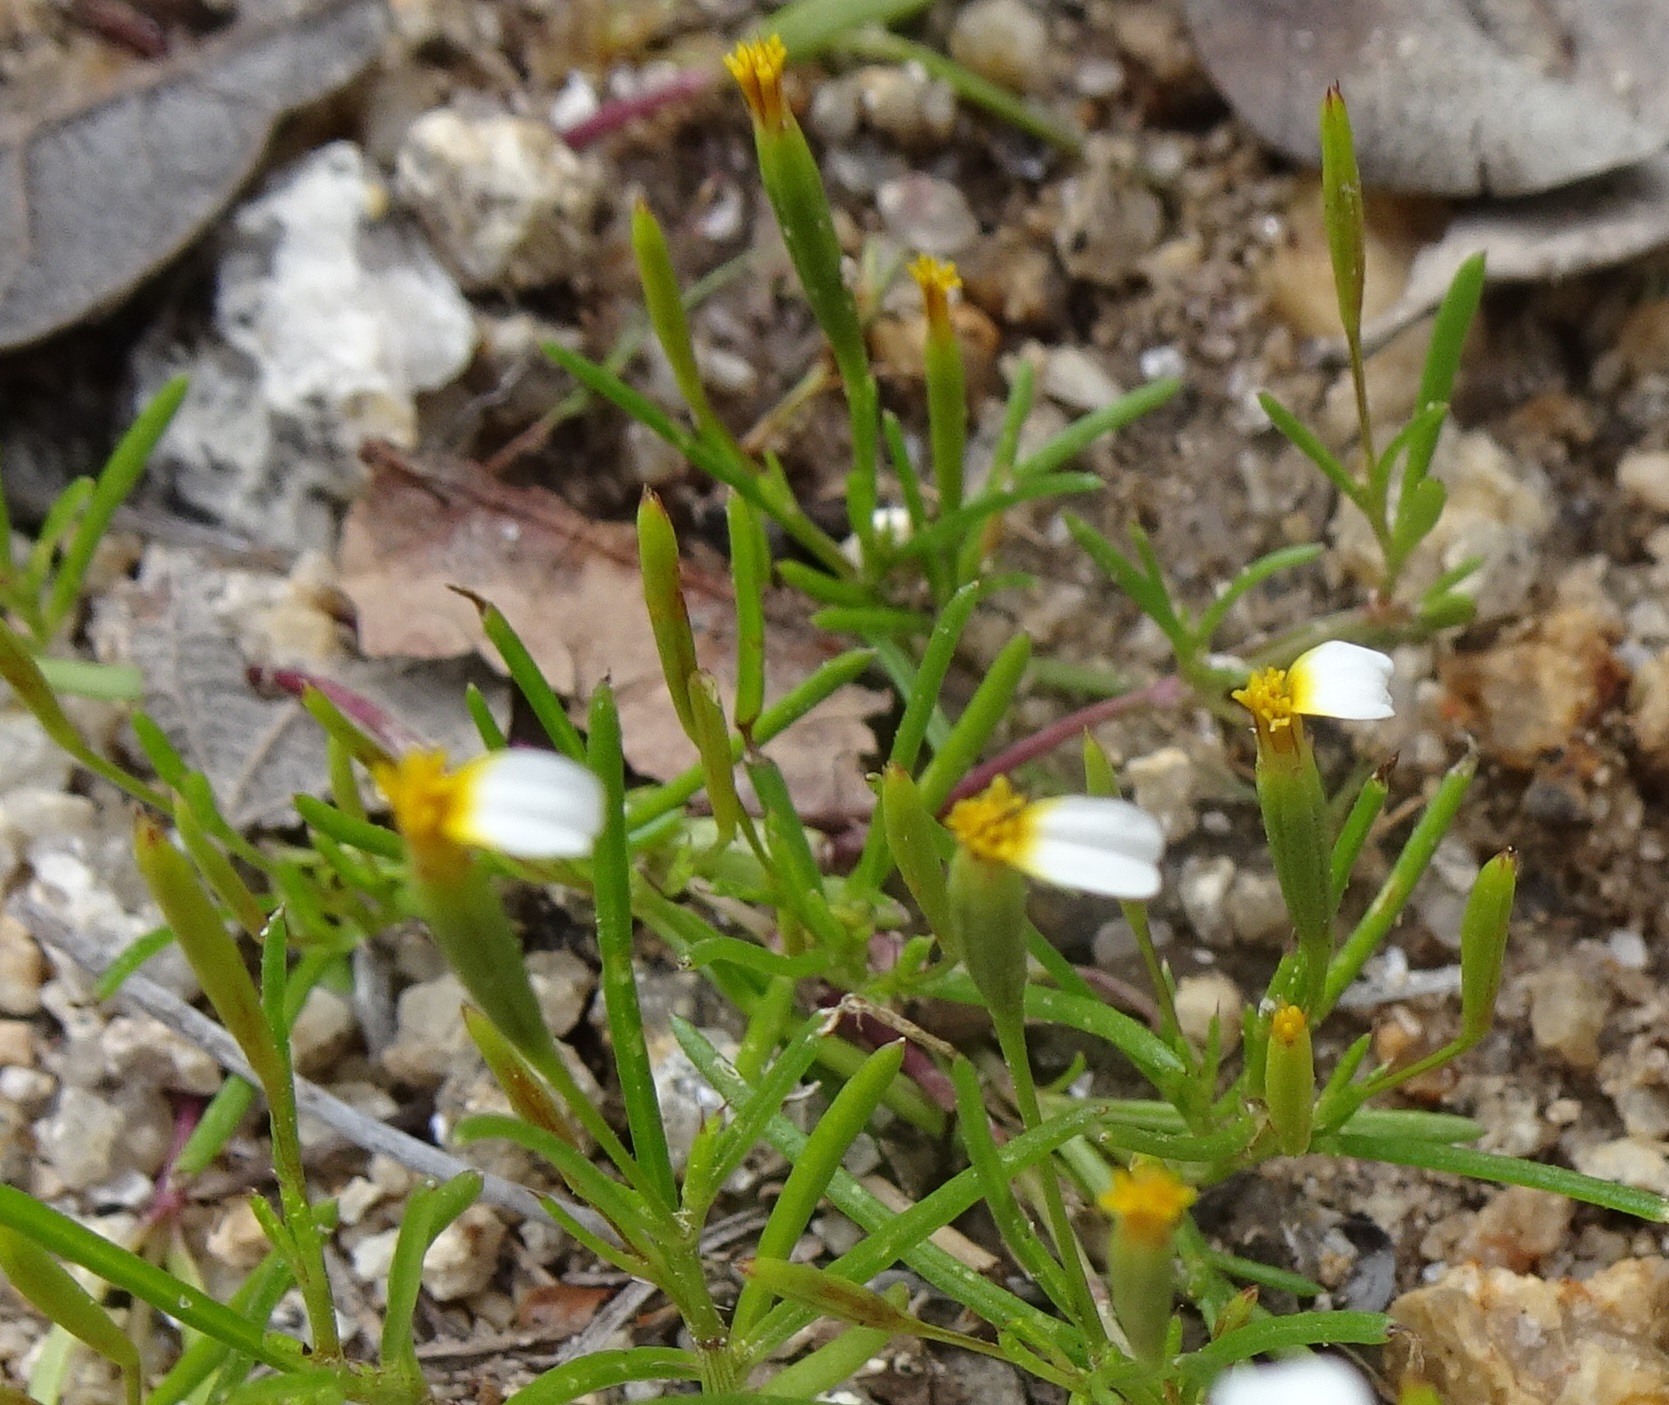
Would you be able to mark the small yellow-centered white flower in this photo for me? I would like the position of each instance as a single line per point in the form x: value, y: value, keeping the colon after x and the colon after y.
x: 1305, y: 1380
x: 1093, y: 843
x: 524, y: 803
x: 1335, y: 679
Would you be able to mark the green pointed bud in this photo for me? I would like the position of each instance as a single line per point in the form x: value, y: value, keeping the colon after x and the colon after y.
x: 987, y: 902
x: 1483, y: 942
x: 1289, y: 1080
x: 663, y: 593
x: 1341, y: 204
x: 208, y: 947
x: 1099, y: 776
x: 1236, y: 1312
x: 1451, y: 610
x: 661, y: 296
x: 1148, y: 1203
x: 947, y: 390
x: 913, y: 837
x: 712, y: 739
x: 1294, y: 808
x: 794, y: 187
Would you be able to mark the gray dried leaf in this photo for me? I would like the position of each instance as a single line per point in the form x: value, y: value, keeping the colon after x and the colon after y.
x: 189, y: 625
x: 99, y: 192
x: 1496, y: 97
x: 1544, y: 238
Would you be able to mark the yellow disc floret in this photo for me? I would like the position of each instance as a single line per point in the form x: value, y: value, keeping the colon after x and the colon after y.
x: 1288, y: 1025
x: 756, y: 65
x: 1149, y: 1202
x: 995, y: 825
x: 1268, y: 697
x: 936, y: 278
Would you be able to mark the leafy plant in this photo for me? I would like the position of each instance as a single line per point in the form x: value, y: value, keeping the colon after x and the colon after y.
x: 801, y: 968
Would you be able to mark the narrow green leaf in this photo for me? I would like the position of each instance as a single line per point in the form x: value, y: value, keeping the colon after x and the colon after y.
x: 1081, y: 433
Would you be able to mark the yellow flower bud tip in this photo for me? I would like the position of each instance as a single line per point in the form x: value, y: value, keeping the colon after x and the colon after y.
x: 756, y: 65
x: 1288, y: 1025
x: 1335, y: 679
x: 1093, y: 843
x: 1149, y: 1202
x: 527, y: 804
x: 937, y: 279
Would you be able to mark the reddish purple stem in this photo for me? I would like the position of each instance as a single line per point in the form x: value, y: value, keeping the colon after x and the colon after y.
x: 612, y: 116
x: 1165, y: 692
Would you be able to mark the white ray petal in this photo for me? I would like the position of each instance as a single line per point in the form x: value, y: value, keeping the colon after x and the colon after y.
x: 1338, y: 679
x: 530, y: 805
x: 1095, y: 844
x: 1310, y: 1380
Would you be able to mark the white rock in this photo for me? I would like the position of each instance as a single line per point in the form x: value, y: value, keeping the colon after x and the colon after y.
x: 1203, y: 889
x: 139, y: 1049
x: 927, y: 215
x: 507, y: 202
x: 1002, y: 40
x: 1076, y: 379
x: 28, y: 757
x: 464, y: 1256
x: 21, y: 969
x: 1628, y: 1161
x: 322, y: 1031
x: 78, y: 1140
x: 1163, y: 784
x: 1210, y: 995
x: 329, y: 320
x: 1643, y: 475
x: 237, y: 1239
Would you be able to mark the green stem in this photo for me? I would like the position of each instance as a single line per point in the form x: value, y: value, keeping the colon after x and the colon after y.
x: 1011, y: 1036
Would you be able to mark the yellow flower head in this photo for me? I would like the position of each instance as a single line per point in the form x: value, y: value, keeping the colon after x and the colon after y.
x: 528, y: 804
x: 756, y: 65
x: 993, y: 825
x: 1090, y: 842
x: 936, y: 278
x: 1149, y: 1202
x: 1335, y: 679
x: 1288, y: 1025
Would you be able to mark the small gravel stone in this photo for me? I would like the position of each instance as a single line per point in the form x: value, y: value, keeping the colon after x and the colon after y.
x: 140, y: 1050
x: 1005, y: 41
x: 1207, y: 996
x: 322, y: 1031
x: 1630, y: 1161
x: 373, y: 1256
x: 28, y: 757
x: 1257, y: 911
x: 1108, y: 220
x: 927, y: 215
x: 78, y: 1140
x: 1643, y: 475
x: 17, y: 1044
x: 21, y: 969
x: 1204, y: 889
x: 1075, y: 378
x: 464, y: 1256
x: 1164, y: 784
x: 1567, y: 1015
x: 237, y: 1239
x: 1014, y: 278
x: 903, y: 103
x: 1517, y: 1228
x: 508, y: 203
x: 1511, y: 1339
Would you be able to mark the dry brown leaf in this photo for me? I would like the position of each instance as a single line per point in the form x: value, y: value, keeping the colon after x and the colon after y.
x: 570, y: 589
x: 101, y: 189
x: 1447, y: 97
x: 195, y: 629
